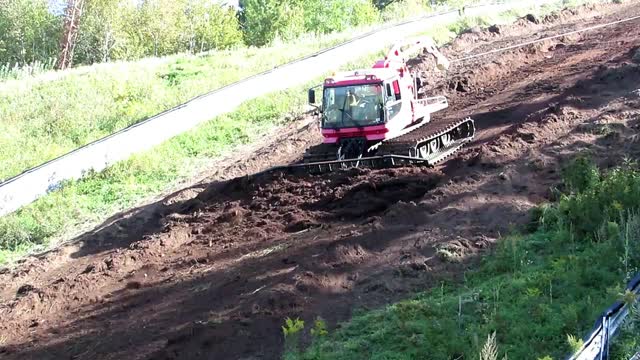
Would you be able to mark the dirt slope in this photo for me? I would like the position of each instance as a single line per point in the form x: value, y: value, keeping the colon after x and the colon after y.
x: 213, y: 276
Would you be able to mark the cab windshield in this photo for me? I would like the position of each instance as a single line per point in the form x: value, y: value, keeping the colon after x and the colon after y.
x: 352, y: 106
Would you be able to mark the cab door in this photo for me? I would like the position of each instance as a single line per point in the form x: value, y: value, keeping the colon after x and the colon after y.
x: 393, y: 101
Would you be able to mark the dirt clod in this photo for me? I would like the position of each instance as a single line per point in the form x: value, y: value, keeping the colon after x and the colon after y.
x: 532, y: 18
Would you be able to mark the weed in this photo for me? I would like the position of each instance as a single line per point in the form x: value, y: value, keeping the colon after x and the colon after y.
x: 291, y: 330
x: 628, y: 343
x: 575, y: 344
x: 319, y: 329
x: 581, y: 174
x: 490, y: 349
x: 292, y: 327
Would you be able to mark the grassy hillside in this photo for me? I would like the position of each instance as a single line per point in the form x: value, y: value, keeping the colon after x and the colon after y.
x: 83, y: 204
x: 53, y: 113
x: 525, y: 292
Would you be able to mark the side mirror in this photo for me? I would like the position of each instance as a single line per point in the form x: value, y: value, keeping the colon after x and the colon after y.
x: 312, y: 96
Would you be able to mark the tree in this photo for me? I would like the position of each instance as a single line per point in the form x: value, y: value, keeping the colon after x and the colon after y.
x: 28, y: 32
x: 72, y: 16
x: 264, y: 20
x: 106, y: 32
x: 122, y: 29
x: 211, y: 26
x: 326, y: 16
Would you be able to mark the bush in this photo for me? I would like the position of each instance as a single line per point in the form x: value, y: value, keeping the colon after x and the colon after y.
x: 581, y: 174
x: 594, y: 204
x: 599, y: 201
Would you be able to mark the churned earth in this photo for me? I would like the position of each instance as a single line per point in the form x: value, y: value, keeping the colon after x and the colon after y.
x: 211, y: 271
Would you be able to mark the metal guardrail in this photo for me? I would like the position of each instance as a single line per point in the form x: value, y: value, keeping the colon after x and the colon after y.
x: 598, y: 341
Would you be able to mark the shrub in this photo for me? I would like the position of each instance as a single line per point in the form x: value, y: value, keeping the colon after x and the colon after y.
x: 599, y: 200
x: 581, y: 174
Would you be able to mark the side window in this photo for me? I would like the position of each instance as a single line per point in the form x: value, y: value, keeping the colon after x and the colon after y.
x: 396, y: 90
x: 389, y: 90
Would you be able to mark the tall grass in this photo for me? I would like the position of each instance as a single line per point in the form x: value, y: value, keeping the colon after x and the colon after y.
x: 15, y: 71
x: 540, y: 292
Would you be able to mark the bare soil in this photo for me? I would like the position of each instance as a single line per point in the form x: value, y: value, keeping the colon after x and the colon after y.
x: 211, y: 271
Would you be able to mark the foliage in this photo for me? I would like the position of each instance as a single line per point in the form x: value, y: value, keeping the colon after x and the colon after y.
x: 490, y: 349
x: 628, y: 343
x: 319, y: 328
x: 292, y: 327
x: 28, y: 32
x: 596, y: 201
x: 292, y: 330
x: 580, y: 174
x: 264, y: 21
x: 326, y: 16
x: 117, y: 29
x: 402, y: 9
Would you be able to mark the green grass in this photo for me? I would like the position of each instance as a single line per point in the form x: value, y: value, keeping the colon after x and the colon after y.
x: 540, y: 292
x: 48, y: 115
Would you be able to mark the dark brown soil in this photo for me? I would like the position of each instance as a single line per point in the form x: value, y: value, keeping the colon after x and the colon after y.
x: 211, y: 272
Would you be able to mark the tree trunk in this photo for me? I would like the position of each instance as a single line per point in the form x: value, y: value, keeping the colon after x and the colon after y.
x: 70, y: 33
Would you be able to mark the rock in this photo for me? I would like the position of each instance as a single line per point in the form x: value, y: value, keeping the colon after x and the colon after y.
x: 25, y: 289
x: 477, y: 30
x: 527, y: 137
x: 494, y: 29
x: 532, y: 18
